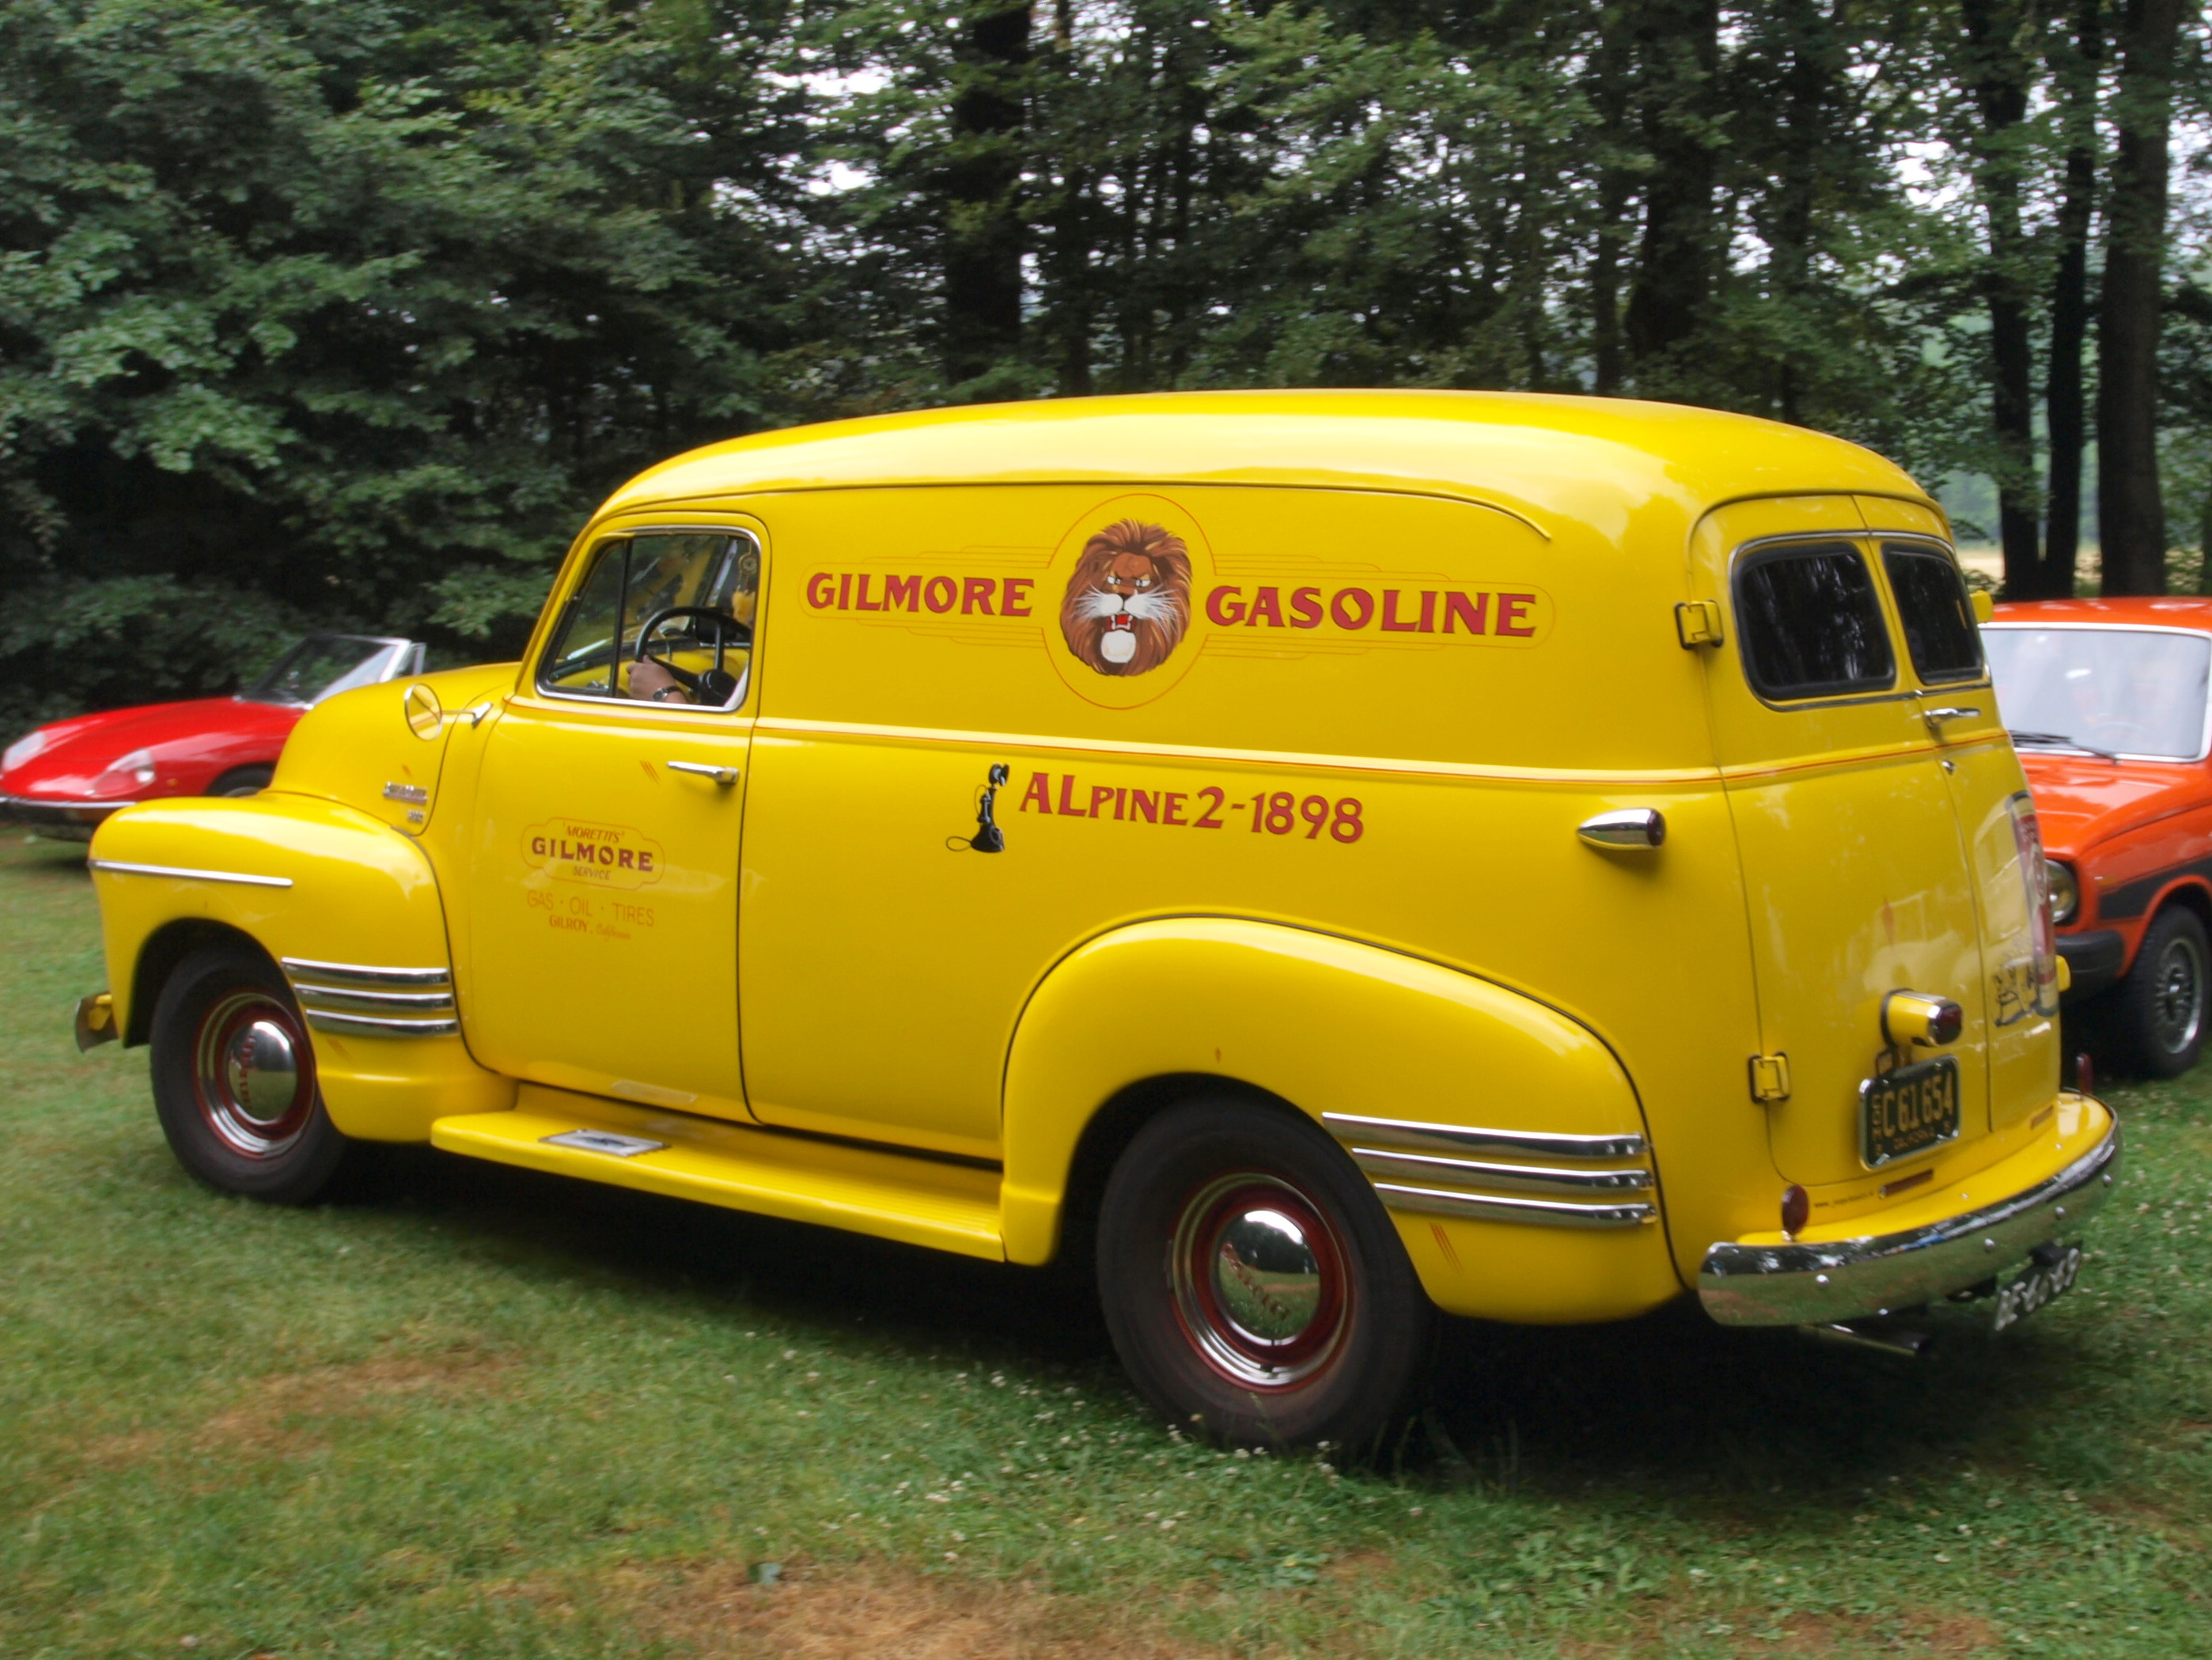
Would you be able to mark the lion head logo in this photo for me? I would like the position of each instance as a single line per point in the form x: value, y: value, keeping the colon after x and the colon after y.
x: 1128, y: 602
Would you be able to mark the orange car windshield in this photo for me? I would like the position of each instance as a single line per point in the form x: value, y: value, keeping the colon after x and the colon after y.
x: 2125, y: 691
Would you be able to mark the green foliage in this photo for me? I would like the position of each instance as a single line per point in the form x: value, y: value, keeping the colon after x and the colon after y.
x: 354, y: 306
x: 347, y: 313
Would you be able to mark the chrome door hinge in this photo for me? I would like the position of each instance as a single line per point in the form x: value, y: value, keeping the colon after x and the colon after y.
x: 1698, y: 623
x: 1769, y: 1078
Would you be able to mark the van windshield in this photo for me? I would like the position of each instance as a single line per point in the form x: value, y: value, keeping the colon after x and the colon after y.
x: 2130, y: 691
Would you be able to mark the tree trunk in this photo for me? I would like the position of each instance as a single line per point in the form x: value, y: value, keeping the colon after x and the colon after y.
x: 2131, y: 517
x: 1609, y: 92
x: 2074, y: 70
x: 981, y: 182
x: 1998, y: 74
x: 1677, y: 44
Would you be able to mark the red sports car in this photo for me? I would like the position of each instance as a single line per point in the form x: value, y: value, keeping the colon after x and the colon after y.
x: 2109, y: 705
x: 63, y: 779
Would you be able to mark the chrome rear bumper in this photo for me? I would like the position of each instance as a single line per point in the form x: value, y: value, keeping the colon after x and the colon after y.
x: 1879, y: 1273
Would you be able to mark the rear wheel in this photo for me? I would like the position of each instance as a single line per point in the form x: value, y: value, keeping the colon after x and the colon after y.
x: 234, y: 1078
x: 1254, y: 1286
x: 2162, y: 1002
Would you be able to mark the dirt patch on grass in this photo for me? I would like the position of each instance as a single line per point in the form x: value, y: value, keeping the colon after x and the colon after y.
x: 715, y: 1612
x: 277, y: 1413
x: 290, y: 1412
x: 1926, y: 1636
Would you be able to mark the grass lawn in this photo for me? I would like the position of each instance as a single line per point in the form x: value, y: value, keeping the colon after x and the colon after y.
x: 479, y: 1412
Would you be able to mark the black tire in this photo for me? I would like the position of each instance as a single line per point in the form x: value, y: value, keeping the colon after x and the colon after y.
x: 243, y: 781
x: 2162, y: 1002
x: 226, y: 1031
x: 1181, y: 1257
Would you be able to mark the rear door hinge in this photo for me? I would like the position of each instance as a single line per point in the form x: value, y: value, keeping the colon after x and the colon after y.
x: 1769, y: 1078
x: 1697, y: 621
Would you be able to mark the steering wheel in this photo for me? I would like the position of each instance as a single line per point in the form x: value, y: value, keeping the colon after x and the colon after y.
x: 711, y: 686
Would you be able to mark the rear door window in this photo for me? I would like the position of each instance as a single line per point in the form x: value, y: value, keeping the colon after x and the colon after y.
x: 1810, y: 623
x: 1940, y: 631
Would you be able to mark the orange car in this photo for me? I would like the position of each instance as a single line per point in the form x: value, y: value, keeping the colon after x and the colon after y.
x: 2109, y: 703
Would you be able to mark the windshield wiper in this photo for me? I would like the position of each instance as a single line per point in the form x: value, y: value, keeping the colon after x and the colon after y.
x: 2059, y: 740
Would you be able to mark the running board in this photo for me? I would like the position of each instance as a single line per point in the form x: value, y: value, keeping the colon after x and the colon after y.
x: 919, y: 1202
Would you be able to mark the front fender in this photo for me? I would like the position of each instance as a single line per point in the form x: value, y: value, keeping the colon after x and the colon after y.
x: 1334, y: 1027
x: 305, y: 880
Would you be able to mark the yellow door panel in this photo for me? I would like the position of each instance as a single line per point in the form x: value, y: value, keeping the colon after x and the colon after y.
x: 1854, y: 871
x: 602, y: 896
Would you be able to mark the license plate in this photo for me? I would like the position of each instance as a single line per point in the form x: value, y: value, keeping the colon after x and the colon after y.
x: 1908, y: 1110
x: 2051, y: 1272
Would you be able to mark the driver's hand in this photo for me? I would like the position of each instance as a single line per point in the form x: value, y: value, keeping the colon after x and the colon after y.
x: 650, y: 683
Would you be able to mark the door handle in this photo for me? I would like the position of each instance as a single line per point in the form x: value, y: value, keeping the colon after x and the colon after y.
x: 725, y: 776
x: 1936, y: 718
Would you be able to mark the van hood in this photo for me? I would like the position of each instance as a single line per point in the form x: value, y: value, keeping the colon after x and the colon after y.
x: 2081, y: 800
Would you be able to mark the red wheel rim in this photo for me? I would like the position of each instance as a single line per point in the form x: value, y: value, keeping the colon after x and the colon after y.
x: 1261, y: 1281
x: 254, y: 1075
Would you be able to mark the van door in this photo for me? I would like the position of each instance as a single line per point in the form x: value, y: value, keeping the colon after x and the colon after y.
x: 602, y: 889
x: 1855, y: 873
x: 2020, y: 950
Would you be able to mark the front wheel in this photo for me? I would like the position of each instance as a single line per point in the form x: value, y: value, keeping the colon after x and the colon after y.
x: 1254, y: 1285
x: 234, y: 1078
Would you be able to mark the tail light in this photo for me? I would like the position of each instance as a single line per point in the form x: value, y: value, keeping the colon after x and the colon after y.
x: 2042, y: 935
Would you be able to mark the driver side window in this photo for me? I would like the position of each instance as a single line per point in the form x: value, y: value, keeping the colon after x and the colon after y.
x: 661, y: 617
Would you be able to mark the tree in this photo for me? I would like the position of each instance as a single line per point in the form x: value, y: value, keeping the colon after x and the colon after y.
x: 982, y: 177
x: 2076, y: 52
x: 346, y: 313
x: 2131, y: 515
x: 1998, y: 72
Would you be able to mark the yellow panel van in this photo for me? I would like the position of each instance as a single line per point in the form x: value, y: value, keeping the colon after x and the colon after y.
x: 1313, y: 859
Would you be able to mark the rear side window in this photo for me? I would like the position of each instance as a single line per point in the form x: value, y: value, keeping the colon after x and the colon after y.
x: 1810, y: 623
x: 1940, y: 631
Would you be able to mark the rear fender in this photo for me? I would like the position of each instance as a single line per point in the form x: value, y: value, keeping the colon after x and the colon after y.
x: 1330, y: 1027
x: 303, y: 879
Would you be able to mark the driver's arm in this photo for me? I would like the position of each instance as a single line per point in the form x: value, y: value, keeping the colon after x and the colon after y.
x: 650, y: 683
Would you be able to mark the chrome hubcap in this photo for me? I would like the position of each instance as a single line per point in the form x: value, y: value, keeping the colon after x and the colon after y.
x: 2178, y: 996
x: 255, y: 1074
x: 1260, y: 1280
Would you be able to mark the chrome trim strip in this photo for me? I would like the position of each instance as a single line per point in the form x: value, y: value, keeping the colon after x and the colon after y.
x: 62, y: 804
x: 363, y: 972
x: 372, y: 1026
x: 117, y: 868
x: 1791, y: 1285
x: 378, y: 998
x: 1551, y: 1213
x: 1454, y: 1138
x: 1378, y: 1161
